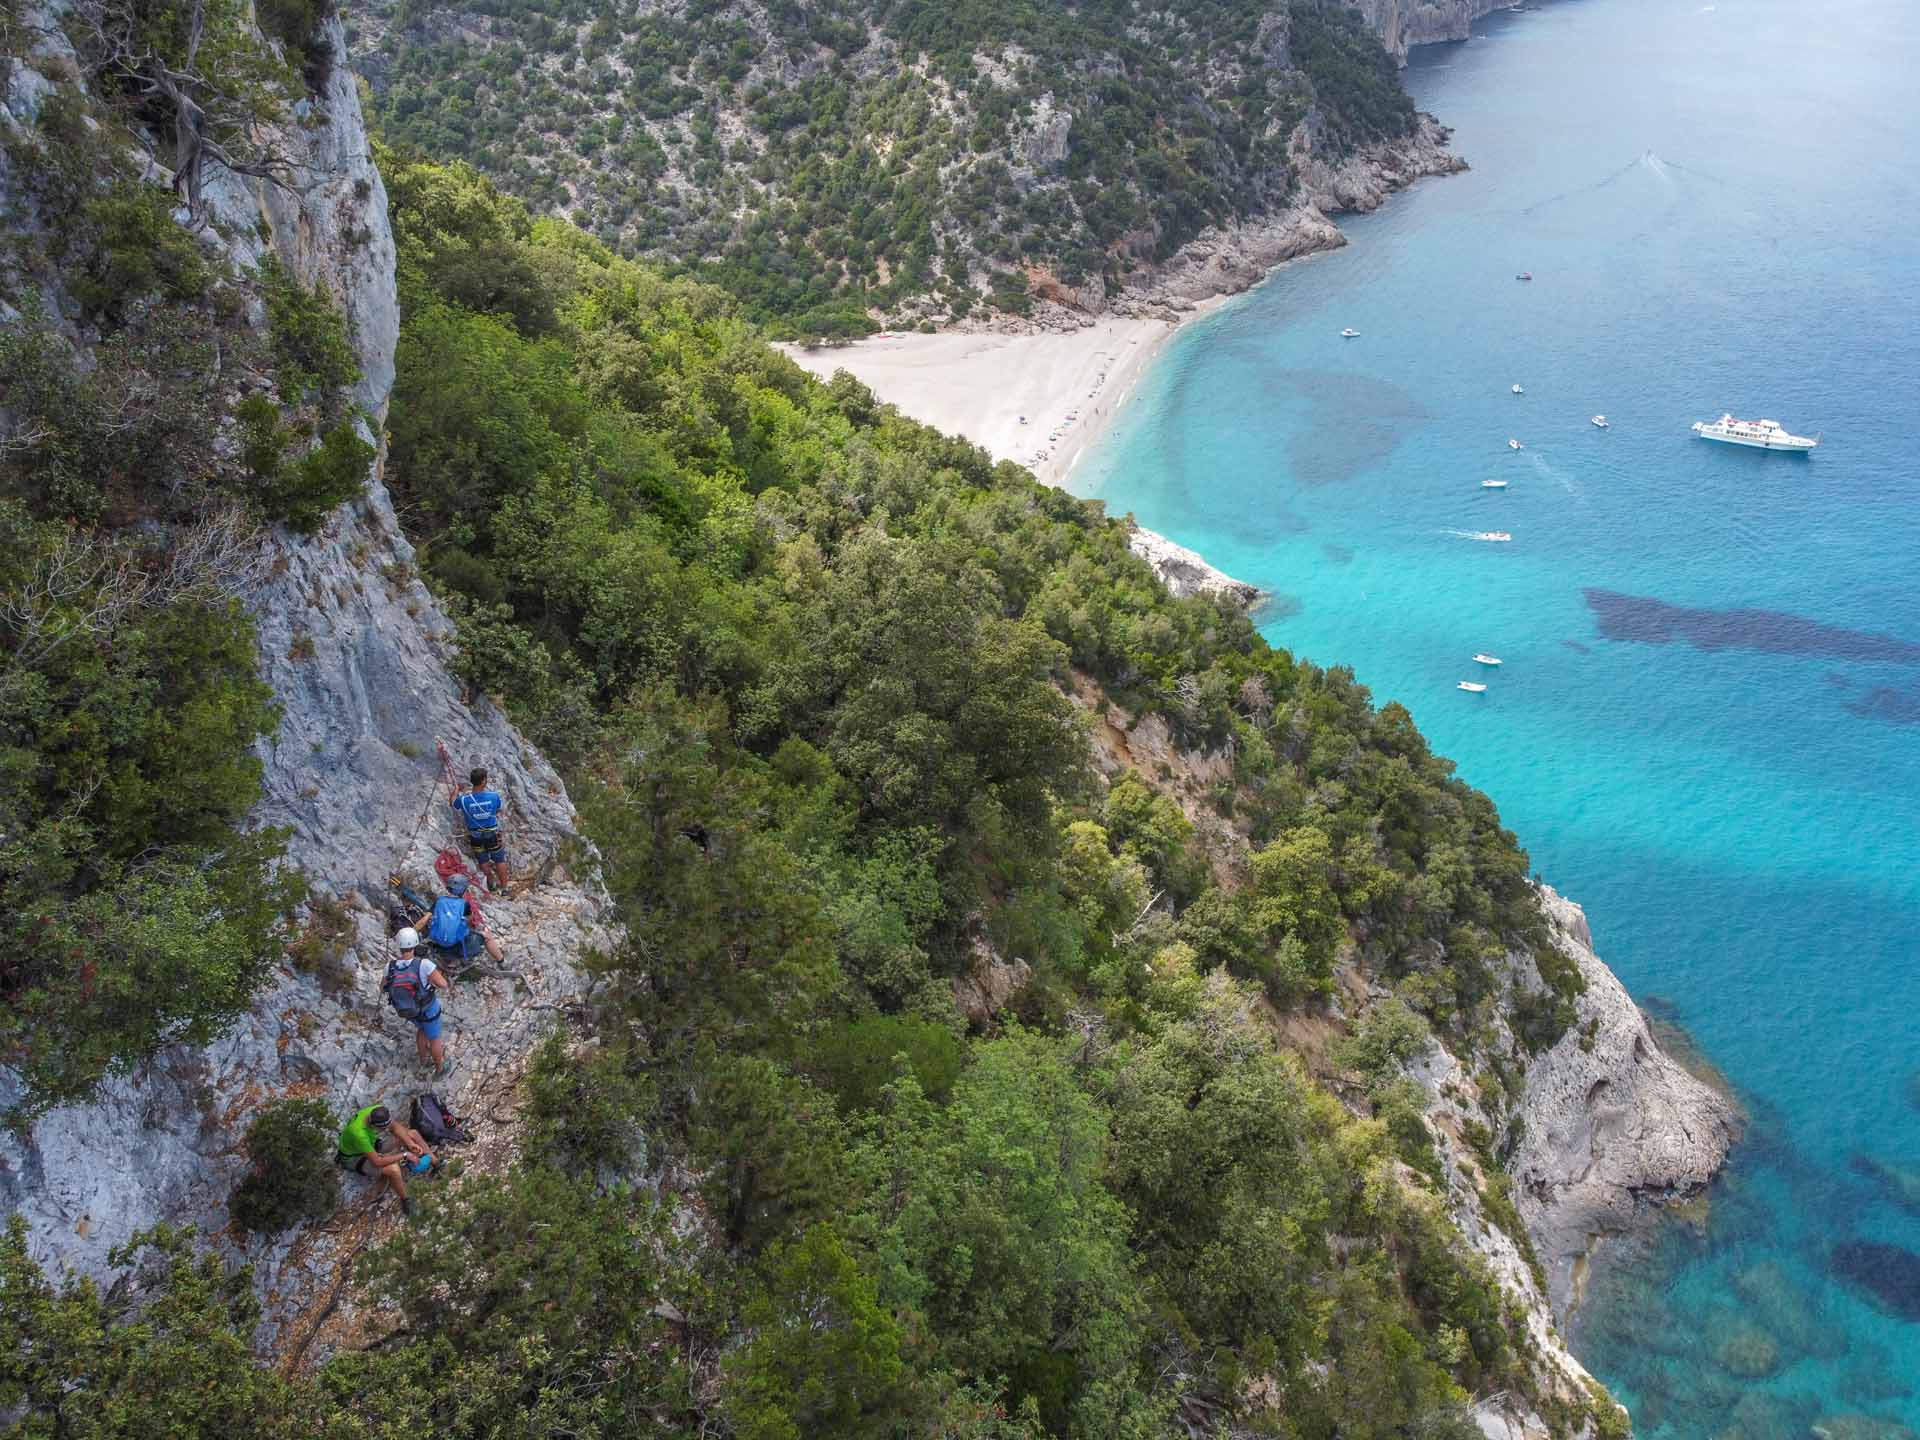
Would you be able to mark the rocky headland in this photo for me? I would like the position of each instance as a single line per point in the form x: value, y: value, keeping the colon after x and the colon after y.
x: 1401, y: 24
x: 1185, y: 572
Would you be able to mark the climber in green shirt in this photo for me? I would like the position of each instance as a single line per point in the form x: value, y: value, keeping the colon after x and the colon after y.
x: 376, y: 1145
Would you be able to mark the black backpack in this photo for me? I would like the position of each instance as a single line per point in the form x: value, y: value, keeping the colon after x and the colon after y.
x: 405, y: 988
x: 437, y: 1124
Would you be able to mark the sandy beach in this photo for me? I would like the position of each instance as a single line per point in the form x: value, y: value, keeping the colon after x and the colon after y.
x: 1039, y: 400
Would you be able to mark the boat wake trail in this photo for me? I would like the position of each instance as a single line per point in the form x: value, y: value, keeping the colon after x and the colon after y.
x: 1547, y: 472
x: 1647, y: 161
x: 1600, y: 184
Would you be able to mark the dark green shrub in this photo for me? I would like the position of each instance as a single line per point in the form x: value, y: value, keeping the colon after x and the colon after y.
x: 304, y: 492
x: 584, y: 1113
x: 133, y: 913
x: 310, y: 345
x: 290, y: 1145
x: 263, y: 439
x: 296, y: 25
x: 856, y: 1058
x: 138, y: 249
x: 333, y: 472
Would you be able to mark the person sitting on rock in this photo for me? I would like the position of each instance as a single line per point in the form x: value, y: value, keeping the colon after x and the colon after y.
x: 411, y: 982
x: 376, y: 1145
x: 480, y: 808
x: 457, y: 929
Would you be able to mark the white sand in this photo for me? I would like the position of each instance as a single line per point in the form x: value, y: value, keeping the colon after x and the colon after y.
x: 1067, y: 386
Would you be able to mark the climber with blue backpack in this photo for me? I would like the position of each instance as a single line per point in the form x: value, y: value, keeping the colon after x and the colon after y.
x: 457, y: 930
x: 410, y: 986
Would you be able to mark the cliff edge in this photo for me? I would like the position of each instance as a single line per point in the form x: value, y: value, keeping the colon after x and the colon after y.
x: 355, y: 649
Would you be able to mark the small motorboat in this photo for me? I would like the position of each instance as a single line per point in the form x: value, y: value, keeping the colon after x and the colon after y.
x: 1493, y: 535
x: 1349, y: 334
x: 1600, y: 422
x: 1518, y: 391
x: 1486, y: 660
x: 1515, y: 445
x: 1493, y: 484
x: 1472, y: 686
x: 1524, y: 275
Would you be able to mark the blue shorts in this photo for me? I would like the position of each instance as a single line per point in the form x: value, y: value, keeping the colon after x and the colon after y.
x: 496, y: 856
x: 429, y: 1026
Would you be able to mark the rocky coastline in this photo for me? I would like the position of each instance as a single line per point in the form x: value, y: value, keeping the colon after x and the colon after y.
x: 1608, y: 1132
x: 1228, y: 260
x: 1401, y: 24
x: 1185, y: 572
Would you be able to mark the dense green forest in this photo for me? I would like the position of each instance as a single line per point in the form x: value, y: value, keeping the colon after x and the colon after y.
x: 921, y: 158
x: 806, y: 667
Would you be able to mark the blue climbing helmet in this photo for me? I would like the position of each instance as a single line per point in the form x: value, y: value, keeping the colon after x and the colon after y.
x: 457, y: 885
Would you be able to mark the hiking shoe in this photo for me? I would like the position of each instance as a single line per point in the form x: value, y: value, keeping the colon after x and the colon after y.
x: 446, y: 1069
x: 406, y: 1206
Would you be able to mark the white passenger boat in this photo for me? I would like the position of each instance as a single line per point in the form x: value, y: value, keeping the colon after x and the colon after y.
x: 1760, y: 434
x: 1493, y: 484
x: 1492, y: 535
x: 1484, y: 659
x: 1472, y: 685
x: 1349, y: 334
x: 1600, y: 422
x: 1518, y: 391
x: 1515, y: 445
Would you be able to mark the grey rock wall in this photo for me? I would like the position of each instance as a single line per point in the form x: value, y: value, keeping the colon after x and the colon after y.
x: 356, y: 652
x: 1610, y: 1127
x: 1613, y: 1126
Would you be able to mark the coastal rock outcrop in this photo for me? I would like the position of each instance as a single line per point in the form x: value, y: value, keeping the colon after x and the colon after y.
x: 1611, y: 1126
x: 1404, y: 23
x: 1608, y: 1128
x: 355, y: 649
x: 1185, y: 572
x: 1226, y: 260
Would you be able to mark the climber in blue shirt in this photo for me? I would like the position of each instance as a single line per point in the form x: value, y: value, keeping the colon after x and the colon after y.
x: 480, y: 808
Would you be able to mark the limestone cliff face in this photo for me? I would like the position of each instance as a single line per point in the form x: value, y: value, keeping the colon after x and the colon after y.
x: 1403, y: 23
x: 355, y: 649
x: 1608, y: 1129
x: 1612, y: 1126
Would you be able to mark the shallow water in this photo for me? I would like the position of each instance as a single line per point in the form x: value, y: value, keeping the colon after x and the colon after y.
x: 1707, y: 728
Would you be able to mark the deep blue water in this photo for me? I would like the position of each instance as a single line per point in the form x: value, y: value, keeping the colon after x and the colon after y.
x: 1707, y: 728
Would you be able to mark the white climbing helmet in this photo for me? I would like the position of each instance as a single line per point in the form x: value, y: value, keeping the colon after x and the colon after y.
x: 408, y: 938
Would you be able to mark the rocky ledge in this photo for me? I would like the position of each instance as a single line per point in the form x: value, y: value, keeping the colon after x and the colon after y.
x: 1185, y: 572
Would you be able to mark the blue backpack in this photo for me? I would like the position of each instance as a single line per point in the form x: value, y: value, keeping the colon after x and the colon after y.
x: 449, y: 927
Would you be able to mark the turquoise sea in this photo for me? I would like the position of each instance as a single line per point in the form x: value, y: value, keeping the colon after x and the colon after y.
x: 1707, y: 728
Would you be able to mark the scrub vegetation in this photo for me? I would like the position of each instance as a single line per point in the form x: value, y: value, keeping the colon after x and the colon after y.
x: 148, y: 433
x: 919, y: 158
x: 807, y: 667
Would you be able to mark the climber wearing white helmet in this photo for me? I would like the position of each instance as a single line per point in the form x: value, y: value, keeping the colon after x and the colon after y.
x: 411, y: 982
